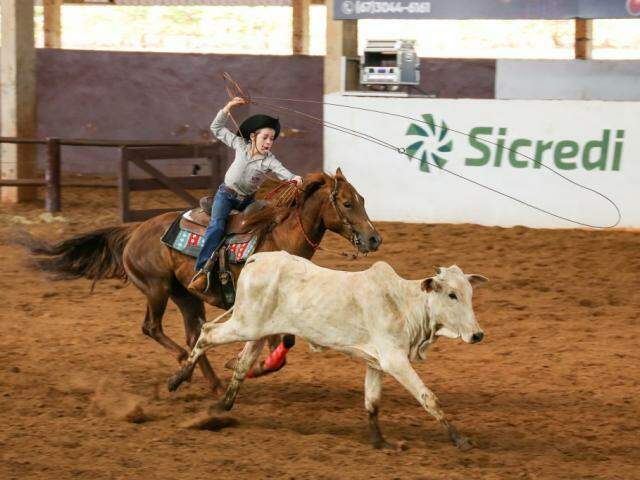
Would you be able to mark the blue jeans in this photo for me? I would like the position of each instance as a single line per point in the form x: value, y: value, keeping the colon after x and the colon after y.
x: 223, y: 203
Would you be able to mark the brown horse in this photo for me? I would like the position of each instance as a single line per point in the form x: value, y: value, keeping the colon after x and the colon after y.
x: 134, y: 252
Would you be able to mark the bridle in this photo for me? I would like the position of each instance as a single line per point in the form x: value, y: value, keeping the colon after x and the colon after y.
x: 333, y: 195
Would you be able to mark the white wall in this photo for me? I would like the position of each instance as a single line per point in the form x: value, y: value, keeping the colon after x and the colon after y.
x: 568, y: 79
x: 396, y: 189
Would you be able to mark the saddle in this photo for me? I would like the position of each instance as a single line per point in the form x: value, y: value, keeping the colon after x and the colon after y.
x: 186, y: 235
x: 196, y: 220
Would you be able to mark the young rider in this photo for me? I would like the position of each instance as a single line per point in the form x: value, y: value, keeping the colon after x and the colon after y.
x: 253, y: 160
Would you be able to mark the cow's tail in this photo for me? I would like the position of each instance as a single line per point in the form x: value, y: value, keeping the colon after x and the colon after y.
x: 95, y: 255
x: 220, y: 317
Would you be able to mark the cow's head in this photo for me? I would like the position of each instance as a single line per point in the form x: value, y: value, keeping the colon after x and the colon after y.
x: 450, y: 295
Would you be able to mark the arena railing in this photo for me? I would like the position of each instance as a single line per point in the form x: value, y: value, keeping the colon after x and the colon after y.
x: 148, y: 149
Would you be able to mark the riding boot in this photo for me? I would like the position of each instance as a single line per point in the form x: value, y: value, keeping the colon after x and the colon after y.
x: 201, y: 281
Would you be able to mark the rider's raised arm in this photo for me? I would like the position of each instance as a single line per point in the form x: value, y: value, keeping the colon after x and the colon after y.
x: 222, y: 133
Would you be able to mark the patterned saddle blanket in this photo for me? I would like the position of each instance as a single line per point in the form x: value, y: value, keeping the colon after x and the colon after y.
x: 186, y: 235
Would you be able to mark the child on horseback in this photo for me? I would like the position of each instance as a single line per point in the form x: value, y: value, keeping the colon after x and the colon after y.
x: 253, y: 160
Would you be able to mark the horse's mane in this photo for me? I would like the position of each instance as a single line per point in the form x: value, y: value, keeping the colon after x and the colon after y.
x: 263, y: 221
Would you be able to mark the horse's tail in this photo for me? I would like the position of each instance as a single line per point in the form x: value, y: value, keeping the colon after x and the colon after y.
x: 96, y: 255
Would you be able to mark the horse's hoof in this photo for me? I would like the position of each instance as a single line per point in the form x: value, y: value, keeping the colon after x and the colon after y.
x: 464, y: 443
x: 402, y: 446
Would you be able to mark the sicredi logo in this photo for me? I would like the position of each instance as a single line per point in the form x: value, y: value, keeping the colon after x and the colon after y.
x: 494, y: 147
x: 604, y: 153
x: 433, y: 145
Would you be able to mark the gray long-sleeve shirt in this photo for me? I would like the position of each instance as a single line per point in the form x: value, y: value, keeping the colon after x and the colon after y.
x: 246, y: 173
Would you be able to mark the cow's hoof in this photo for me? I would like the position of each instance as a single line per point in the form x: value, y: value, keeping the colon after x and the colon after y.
x: 210, y: 422
x: 181, y: 375
x: 221, y: 406
x: 173, y: 383
x: 382, y: 445
x: 464, y: 443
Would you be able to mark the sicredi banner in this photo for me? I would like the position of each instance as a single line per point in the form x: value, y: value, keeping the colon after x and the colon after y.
x: 539, y: 152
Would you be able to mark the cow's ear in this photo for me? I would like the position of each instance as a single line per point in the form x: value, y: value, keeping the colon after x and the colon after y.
x: 430, y: 285
x: 477, y: 280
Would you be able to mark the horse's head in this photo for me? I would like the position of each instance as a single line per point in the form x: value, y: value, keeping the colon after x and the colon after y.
x: 344, y: 211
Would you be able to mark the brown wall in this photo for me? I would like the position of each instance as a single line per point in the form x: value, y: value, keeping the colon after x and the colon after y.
x: 162, y: 96
x: 132, y: 95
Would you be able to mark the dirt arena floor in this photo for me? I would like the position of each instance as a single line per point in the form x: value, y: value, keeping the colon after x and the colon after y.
x: 553, y: 391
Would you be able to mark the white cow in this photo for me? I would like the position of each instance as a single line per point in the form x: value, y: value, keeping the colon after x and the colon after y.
x: 375, y: 315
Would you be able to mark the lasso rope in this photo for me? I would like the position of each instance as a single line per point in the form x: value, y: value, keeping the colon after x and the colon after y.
x: 234, y: 88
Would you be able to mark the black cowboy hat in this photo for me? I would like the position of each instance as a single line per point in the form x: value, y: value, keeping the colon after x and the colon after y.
x: 256, y: 122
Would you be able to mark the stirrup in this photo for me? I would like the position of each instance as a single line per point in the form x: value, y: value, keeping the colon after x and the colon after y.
x: 200, y: 273
x: 197, y: 275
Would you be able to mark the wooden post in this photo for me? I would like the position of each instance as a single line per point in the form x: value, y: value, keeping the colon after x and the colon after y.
x: 18, y: 96
x: 342, y: 41
x: 52, y: 175
x: 300, y: 26
x: 584, y: 38
x: 52, y: 24
x: 123, y: 184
